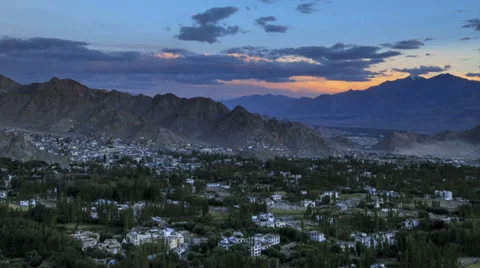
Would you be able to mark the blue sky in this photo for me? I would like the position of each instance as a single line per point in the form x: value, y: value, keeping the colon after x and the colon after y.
x: 151, y: 26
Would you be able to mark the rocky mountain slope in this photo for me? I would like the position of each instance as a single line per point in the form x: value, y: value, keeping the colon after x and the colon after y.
x: 444, y: 102
x: 463, y: 144
x: 7, y: 84
x: 19, y: 147
x: 66, y: 105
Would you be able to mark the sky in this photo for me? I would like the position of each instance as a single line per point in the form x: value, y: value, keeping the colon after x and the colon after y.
x: 225, y: 49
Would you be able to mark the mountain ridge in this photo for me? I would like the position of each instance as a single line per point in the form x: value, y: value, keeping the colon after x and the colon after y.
x: 67, y: 105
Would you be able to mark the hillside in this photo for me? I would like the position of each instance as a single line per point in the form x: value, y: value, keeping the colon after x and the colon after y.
x: 61, y: 105
x: 444, y: 102
x: 7, y: 84
x: 450, y: 144
x: 19, y: 147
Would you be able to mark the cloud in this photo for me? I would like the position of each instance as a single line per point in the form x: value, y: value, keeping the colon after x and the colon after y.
x: 58, y: 49
x: 472, y: 23
x: 337, y: 52
x: 427, y: 54
x: 473, y: 75
x: 166, y: 28
x: 411, y: 56
x: 214, y: 15
x: 428, y: 39
x: 21, y: 59
x: 465, y: 39
x: 268, y: 1
x: 307, y: 8
x: 206, y: 33
x: 264, y: 22
x: 207, y: 30
x: 407, y: 44
x: 422, y: 70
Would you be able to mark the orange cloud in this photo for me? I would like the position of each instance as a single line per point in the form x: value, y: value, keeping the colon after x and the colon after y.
x: 246, y: 58
x: 167, y: 55
x: 308, y: 85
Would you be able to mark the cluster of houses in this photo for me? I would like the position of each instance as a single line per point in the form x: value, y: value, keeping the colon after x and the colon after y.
x: 374, y: 240
x: 91, y: 240
x: 267, y: 220
x: 137, y: 236
x: 141, y: 235
x: 254, y: 244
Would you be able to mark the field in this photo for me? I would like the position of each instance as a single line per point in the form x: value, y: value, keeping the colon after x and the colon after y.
x: 477, y: 265
x: 15, y: 206
x: 281, y: 212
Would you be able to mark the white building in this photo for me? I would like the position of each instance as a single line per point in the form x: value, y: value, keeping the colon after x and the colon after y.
x: 255, y: 249
x: 445, y: 195
x: 267, y: 241
x: 307, y: 203
x: 139, y: 236
x: 276, y: 197
x: 331, y: 194
x: 317, y: 236
x: 410, y: 224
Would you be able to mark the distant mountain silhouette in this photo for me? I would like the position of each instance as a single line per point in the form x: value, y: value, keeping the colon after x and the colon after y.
x: 66, y: 105
x: 443, y: 102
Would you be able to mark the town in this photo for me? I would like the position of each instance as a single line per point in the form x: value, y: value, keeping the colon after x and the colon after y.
x: 126, y: 204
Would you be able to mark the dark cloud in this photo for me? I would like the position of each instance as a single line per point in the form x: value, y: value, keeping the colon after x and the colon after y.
x: 428, y: 39
x: 338, y: 51
x: 78, y: 60
x: 206, y: 33
x: 264, y: 22
x: 268, y: 1
x: 58, y: 49
x: 407, y: 44
x: 214, y: 15
x: 207, y: 30
x: 427, y: 54
x: 465, y: 39
x: 411, y: 56
x: 166, y: 28
x: 307, y: 8
x: 473, y: 74
x: 422, y: 70
x: 472, y: 23
x: 38, y: 43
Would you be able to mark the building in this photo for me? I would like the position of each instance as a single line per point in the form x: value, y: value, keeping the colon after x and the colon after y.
x: 410, y: 224
x: 141, y: 235
x: 255, y: 248
x: 88, y: 239
x: 445, y: 195
x: 276, y: 197
x: 307, y: 203
x: 317, y: 236
x: 267, y: 241
x: 111, y: 246
x: 331, y: 194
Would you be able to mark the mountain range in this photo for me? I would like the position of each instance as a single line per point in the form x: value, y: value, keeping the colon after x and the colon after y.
x: 441, y: 103
x: 61, y: 105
